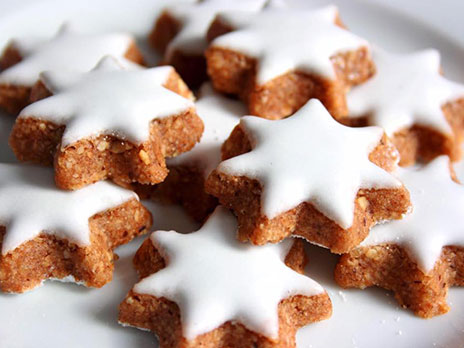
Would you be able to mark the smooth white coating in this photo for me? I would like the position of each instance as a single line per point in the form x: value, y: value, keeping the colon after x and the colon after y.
x: 310, y: 157
x: 283, y: 40
x: 406, y: 90
x: 436, y: 218
x: 31, y: 204
x: 214, y: 278
x: 220, y: 115
x: 195, y: 20
x: 108, y: 100
x: 68, y: 50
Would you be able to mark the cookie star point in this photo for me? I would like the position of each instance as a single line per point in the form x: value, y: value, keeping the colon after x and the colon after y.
x: 207, y: 270
x: 286, y: 152
x: 434, y: 221
x: 68, y: 49
x: 36, y: 205
x: 84, y: 101
x: 406, y: 90
x: 293, y: 48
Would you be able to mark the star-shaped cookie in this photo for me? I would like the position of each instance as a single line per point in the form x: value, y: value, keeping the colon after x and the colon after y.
x: 411, y: 100
x: 420, y: 256
x: 279, y: 58
x: 180, y: 34
x: 306, y: 175
x: 111, y: 122
x: 49, y: 233
x: 206, y: 287
x: 24, y: 59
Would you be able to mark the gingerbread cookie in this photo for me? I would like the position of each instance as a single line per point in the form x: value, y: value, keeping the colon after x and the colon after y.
x: 277, y: 68
x: 109, y: 123
x: 180, y: 34
x: 207, y: 289
x: 48, y: 233
x: 420, y: 256
x: 24, y: 59
x: 188, y: 172
x: 420, y: 110
x: 310, y: 176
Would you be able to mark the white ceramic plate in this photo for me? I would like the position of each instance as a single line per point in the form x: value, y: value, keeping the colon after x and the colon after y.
x: 67, y: 315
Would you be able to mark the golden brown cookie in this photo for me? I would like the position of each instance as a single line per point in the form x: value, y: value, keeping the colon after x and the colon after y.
x: 420, y: 110
x: 47, y: 233
x: 111, y: 123
x: 206, y: 289
x: 308, y: 176
x: 420, y: 256
x: 277, y: 68
x: 24, y: 59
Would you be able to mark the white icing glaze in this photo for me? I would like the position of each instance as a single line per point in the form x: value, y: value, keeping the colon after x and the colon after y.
x: 68, y: 279
x: 27, y: 45
x: 214, y: 278
x: 137, y: 327
x: 32, y: 204
x: 406, y: 90
x: 310, y: 157
x: 68, y: 50
x: 288, y: 39
x: 108, y: 100
x: 195, y: 20
x: 220, y: 115
x: 436, y: 217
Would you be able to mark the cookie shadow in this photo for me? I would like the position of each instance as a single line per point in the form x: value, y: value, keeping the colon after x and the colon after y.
x: 150, y: 56
x: 108, y: 316
x: 321, y: 264
x: 6, y: 124
x: 124, y: 278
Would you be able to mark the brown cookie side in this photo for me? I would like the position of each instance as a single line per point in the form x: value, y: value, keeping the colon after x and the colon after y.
x: 420, y: 143
x: 243, y: 196
x: 47, y: 256
x: 389, y: 266
x: 14, y: 98
x: 163, y: 316
x: 97, y: 158
x: 233, y: 72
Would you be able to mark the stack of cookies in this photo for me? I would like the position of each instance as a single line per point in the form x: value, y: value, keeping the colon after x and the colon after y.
x: 346, y: 146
